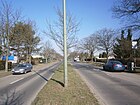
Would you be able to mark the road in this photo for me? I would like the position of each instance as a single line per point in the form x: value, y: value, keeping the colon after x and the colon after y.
x: 22, y: 89
x: 111, y: 88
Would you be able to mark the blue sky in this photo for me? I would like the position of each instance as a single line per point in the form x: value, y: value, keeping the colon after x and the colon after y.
x: 93, y: 14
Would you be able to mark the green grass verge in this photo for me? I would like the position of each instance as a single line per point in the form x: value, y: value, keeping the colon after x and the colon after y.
x: 77, y: 92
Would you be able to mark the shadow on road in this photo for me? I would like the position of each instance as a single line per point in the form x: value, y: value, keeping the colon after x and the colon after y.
x: 41, y: 76
x: 11, y: 97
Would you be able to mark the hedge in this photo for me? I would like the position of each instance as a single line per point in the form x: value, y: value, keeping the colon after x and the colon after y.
x: 2, y: 65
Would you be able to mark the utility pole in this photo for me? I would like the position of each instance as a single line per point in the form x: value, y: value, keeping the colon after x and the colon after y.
x: 7, y: 43
x: 65, y: 44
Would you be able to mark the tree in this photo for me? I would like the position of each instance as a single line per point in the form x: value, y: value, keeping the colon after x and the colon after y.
x: 105, y: 39
x: 8, y: 17
x: 89, y: 44
x: 31, y: 40
x: 100, y: 55
x: 16, y: 38
x: 49, y: 53
x: 55, y: 30
x: 23, y: 38
x: 129, y: 11
x: 47, y: 50
x: 123, y: 46
x: 138, y: 48
x: 119, y: 46
x: 104, y: 55
x: 0, y: 51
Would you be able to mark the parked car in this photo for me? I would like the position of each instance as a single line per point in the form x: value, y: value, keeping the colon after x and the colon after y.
x: 22, y: 68
x: 114, y: 65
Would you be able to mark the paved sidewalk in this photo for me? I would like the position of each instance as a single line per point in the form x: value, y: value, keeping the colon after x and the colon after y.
x: 42, y: 66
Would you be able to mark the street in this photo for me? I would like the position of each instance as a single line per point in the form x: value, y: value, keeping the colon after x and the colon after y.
x: 111, y: 88
x: 22, y: 89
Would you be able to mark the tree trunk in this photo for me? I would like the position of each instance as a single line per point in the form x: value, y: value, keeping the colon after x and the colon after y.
x: 6, y: 62
x: 91, y: 56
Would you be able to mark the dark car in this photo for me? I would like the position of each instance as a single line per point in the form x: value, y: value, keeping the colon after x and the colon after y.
x: 114, y: 65
x: 22, y: 68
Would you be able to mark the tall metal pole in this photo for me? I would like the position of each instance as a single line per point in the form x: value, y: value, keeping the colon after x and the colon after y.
x: 65, y: 44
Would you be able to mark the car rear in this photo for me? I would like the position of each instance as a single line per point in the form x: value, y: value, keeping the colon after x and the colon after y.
x: 118, y: 67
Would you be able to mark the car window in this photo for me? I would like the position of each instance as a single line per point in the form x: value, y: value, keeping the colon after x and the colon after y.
x: 21, y: 65
x: 109, y: 62
x: 116, y: 62
x: 113, y: 62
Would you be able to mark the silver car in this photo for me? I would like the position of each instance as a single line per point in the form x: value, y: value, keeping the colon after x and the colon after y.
x: 22, y: 68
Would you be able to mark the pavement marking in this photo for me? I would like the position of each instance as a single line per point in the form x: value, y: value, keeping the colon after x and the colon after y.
x: 16, y: 81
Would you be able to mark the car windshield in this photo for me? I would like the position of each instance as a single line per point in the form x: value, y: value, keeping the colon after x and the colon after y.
x: 21, y: 65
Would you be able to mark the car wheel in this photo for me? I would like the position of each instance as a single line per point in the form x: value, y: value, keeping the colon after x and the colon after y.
x: 110, y: 69
x: 103, y: 67
x: 25, y: 72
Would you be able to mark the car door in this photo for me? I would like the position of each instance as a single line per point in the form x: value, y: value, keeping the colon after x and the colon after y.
x: 29, y: 67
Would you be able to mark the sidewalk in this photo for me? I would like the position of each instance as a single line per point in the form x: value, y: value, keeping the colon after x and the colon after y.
x: 42, y: 66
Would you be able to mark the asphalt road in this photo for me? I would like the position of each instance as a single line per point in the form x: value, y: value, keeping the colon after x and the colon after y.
x: 111, y: 88
x: 22, y: 89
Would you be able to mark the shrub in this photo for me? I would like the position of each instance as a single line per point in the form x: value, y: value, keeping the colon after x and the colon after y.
x: 2, y: 65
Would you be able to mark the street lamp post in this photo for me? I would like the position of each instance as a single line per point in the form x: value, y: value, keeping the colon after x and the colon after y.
x: 65, y: 44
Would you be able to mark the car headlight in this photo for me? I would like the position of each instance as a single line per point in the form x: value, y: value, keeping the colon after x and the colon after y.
x: 13, y: 70
x: 21, y: 69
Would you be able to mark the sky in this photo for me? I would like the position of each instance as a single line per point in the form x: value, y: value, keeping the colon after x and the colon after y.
x: 92, y: 14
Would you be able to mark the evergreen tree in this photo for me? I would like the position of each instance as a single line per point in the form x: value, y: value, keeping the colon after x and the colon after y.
x: 123, y: 46
x: 100, y: 55
x: 25, y: 41
x: 118, y: 47
x: 128, y: 44
x: 104, y: 55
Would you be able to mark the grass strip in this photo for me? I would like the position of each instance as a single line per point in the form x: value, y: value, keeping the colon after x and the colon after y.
x: 77, y: 92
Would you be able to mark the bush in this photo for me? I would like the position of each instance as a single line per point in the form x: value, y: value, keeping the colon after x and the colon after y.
x: 138, y: 62
x: 2, y: 65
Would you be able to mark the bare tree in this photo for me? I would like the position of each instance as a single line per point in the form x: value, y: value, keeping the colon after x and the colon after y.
x: 55, y: 30
x: 129, y: 11
x: 105, y: 40
x: 47, y: 49
x: 49, y: 53
x: 8, y: 17
x: 90, y: 44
